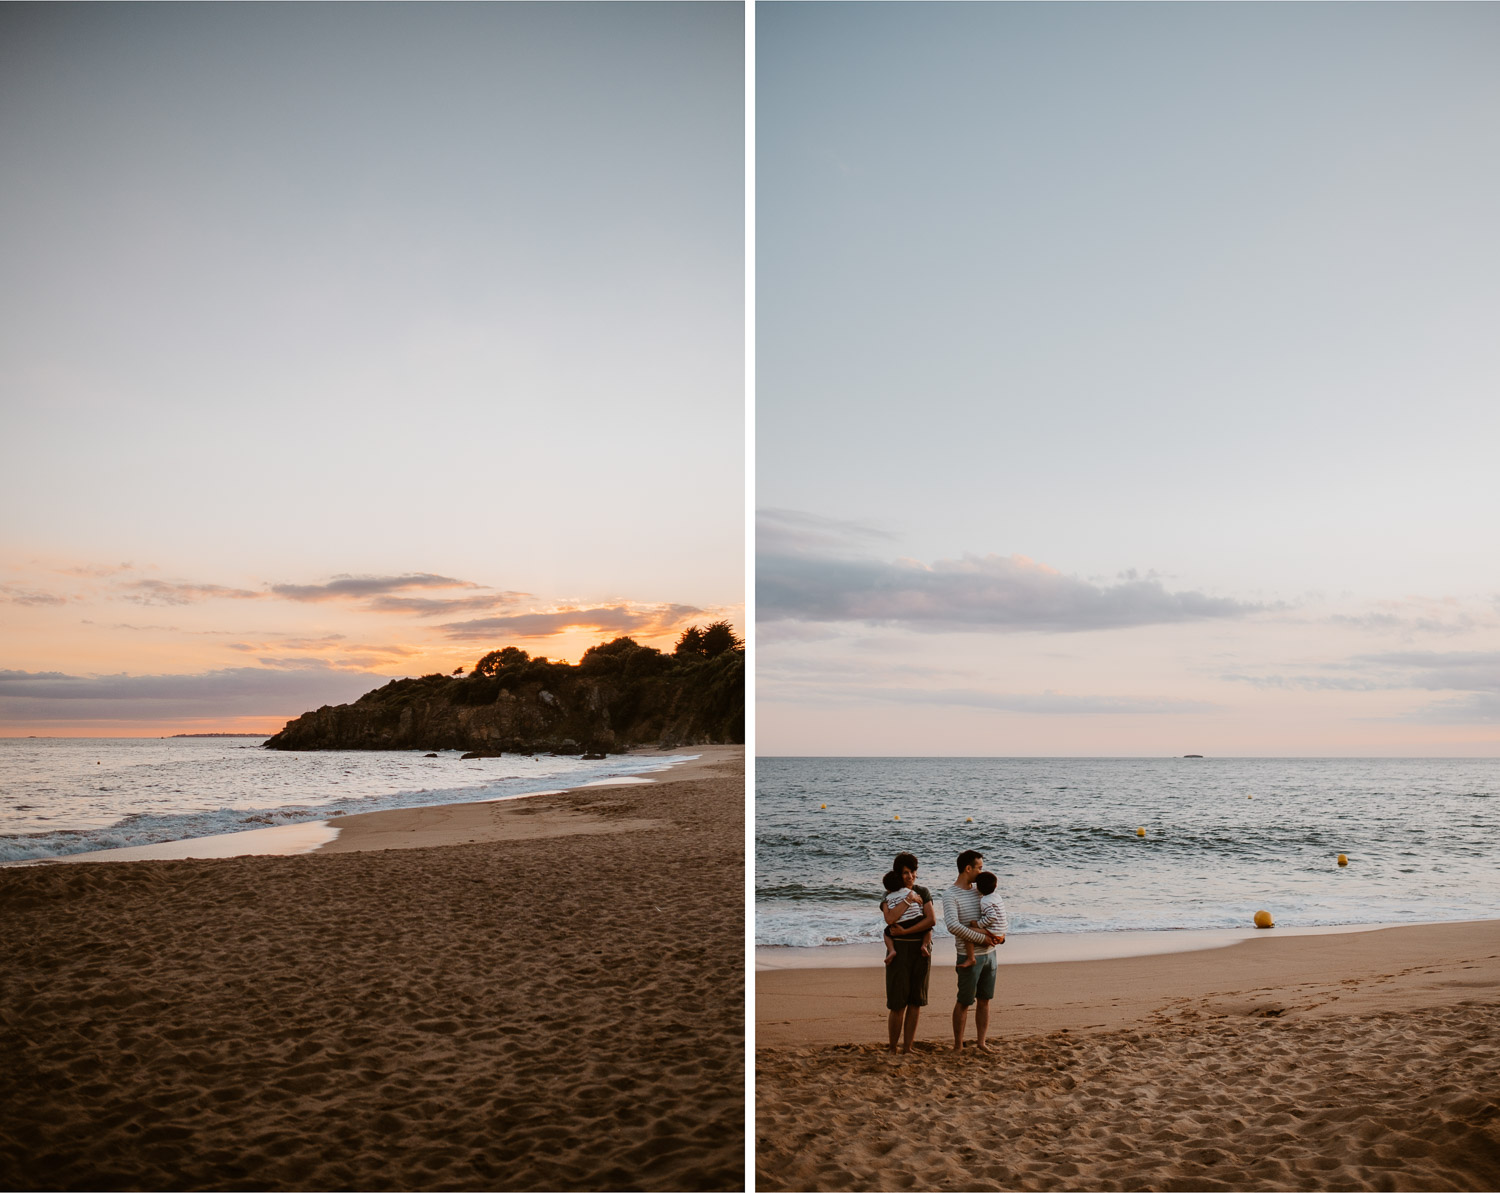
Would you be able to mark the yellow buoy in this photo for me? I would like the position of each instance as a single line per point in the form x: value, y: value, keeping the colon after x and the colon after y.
x: 1263, y: 920
x: 822, y: 807
x: 895, y: 818
x: 1249, y: 797
x: 1140, y: 832
x: 1343, y: 859
x: 968, y: 820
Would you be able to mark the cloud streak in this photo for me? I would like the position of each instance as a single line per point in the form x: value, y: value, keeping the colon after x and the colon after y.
x: 974, y: 593
x: 439, y: 607
x: 618, y: 619
x: 1476, y: 674
x: 409, y: 594
x: 825, y: 682
x: 1034, y: 703
x: 1459, y: 671
x: 325, y: 644
x: 348, y: 587
x: 14, y: 594
x: 39, y: 697
x: 173, y: 592
x: 785, y: 531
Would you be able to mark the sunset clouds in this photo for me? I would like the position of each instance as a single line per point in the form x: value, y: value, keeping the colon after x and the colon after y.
x: 346, y: 587
x: 224, y: 698
x: 250, y: 655
x: 650, y: 621
x: 167, y: 592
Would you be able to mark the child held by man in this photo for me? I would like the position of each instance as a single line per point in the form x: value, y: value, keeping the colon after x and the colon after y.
x: 991, y: 915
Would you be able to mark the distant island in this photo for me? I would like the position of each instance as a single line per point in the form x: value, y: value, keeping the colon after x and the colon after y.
x: 1192, y: 755
x: 177, y: 735
x: 620, y: 694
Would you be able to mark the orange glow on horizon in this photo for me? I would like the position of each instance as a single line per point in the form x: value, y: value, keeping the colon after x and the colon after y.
x: 94, y: 633
x: 62, y: 729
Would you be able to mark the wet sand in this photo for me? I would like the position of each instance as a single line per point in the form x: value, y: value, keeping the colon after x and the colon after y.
x: 532, y: 994
x: 1366, y: 1060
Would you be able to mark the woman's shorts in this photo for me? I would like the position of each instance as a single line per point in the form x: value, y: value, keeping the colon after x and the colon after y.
x: 906, y: 976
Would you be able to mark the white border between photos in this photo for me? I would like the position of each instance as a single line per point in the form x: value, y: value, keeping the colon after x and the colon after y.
x: 749, y: 594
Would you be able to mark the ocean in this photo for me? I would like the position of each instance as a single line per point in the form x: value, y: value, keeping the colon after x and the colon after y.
x: 63, y: 796
x: 1224, y: 837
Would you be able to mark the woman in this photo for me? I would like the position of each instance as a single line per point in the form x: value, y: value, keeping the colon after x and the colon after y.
x: 906, y: 975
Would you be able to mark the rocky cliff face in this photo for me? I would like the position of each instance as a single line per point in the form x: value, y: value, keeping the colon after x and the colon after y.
x: 611, y: 700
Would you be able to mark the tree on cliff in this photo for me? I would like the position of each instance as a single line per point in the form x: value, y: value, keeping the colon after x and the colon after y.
x: 501, y: 660
x: 690, y: 645
x: 709, y: 642
x: 719, y: 637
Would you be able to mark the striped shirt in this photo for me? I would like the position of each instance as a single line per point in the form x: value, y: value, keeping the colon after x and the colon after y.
x: 913, y: 911
x: 960, y: 907
x: 992, y: 914
x: 926, y: 896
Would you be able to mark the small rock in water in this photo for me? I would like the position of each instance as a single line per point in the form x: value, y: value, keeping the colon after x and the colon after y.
x: 434, y: 755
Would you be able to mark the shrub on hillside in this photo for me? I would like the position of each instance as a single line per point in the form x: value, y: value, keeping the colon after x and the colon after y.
x: 508, y: 658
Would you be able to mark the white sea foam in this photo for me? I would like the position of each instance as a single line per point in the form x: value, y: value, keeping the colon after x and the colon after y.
x: 62, y: 796
x: 1224, y: 838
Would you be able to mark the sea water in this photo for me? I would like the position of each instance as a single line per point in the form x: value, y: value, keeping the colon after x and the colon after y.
x: 72, y: 795
x: 1223, y: 839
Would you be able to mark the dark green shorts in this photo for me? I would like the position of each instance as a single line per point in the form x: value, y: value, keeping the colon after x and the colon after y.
x: 977, y: 980
x: 906, y: 976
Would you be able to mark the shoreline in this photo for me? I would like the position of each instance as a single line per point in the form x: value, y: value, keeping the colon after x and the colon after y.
x: 584, y: 810
x: 443, y: 825
x: 1039, y: 948
x: 1388, y: 967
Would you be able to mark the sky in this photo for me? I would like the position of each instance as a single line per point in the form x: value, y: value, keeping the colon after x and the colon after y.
x: 1127, y: 379
x: 340, y: 342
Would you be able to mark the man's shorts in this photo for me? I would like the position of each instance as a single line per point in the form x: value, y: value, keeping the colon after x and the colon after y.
x: 906, y: 976
x: 978, y: 980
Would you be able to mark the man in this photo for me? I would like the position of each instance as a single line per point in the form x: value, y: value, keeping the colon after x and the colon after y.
x: 975, y: 982
x: 906, y: 975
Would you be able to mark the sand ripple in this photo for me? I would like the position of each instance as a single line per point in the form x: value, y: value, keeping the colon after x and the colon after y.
x: 1407, y: 1100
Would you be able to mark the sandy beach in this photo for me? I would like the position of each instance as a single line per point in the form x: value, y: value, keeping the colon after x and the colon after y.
x: 1366, y: 1060
x: 545, y: 993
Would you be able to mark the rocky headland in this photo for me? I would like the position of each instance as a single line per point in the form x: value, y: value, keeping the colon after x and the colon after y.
x: 619, y: 695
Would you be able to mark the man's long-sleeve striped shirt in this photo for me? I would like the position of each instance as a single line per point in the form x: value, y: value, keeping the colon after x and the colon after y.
x: 959, y: 907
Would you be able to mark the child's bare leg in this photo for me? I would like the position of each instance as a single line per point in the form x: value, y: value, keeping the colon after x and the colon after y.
x: 969, y: 948
x: 890, y: 948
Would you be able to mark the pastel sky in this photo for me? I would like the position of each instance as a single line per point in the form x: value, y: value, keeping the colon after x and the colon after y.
x: 1128, y: 381
x: 340, y: 342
